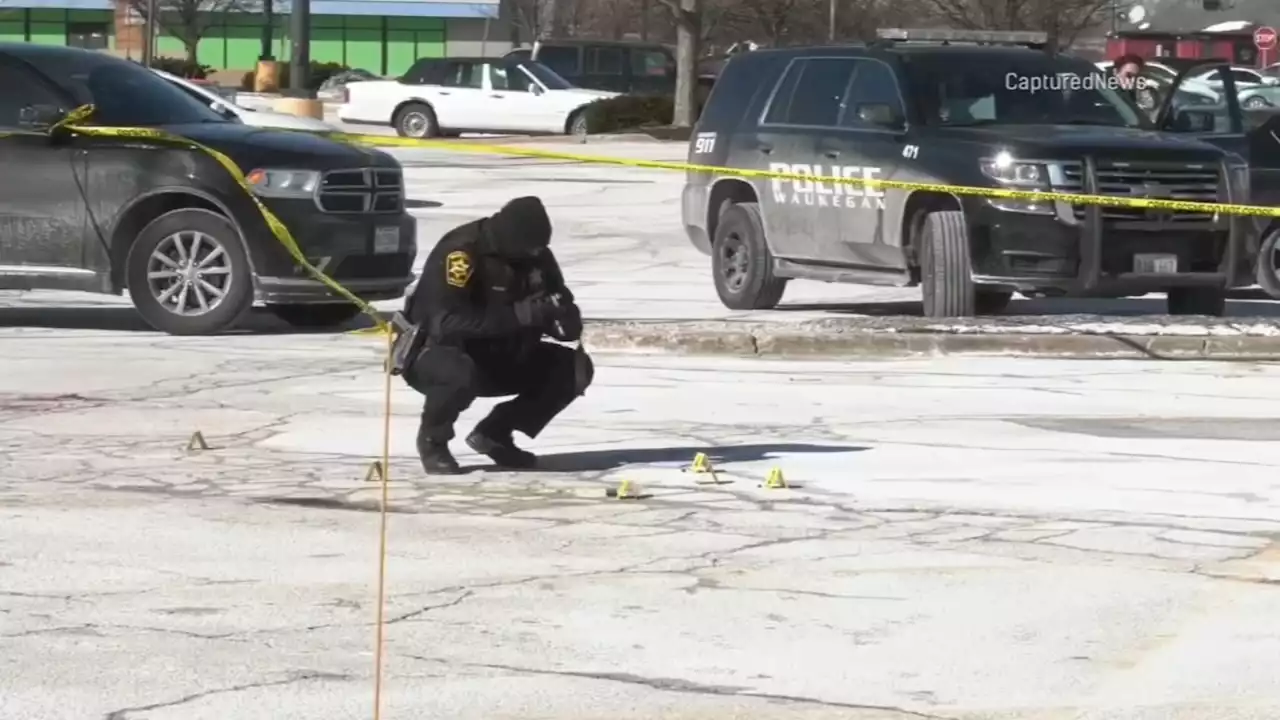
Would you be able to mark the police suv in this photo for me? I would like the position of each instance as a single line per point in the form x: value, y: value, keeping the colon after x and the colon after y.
x: 948, y: 108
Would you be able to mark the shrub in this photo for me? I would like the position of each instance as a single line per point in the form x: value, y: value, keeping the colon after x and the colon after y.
x: 628, y: 112
x: 182, y: 68
x: 320, y: 71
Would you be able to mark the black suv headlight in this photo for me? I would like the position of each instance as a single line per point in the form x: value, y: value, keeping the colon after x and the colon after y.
x: 280, y: 183
x: 1015, y: 174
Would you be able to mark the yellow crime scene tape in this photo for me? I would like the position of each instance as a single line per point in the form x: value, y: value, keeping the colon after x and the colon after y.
x: 1001, y: 193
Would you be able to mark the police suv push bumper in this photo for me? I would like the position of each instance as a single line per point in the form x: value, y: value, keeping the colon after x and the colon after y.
x: 1088, y: 249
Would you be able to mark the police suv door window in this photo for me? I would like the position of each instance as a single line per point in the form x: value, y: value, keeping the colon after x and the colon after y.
x: 873, y: 100
x: 817, y: 98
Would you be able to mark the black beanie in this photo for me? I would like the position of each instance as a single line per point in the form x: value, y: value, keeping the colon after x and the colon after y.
x: 520, y: 228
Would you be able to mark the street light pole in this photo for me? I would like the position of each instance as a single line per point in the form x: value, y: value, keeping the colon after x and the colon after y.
x: 831, y: 21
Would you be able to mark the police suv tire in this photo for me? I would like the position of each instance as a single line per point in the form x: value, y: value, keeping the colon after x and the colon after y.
x: 408, y: 113
x: 315, y: 316
x: 1210, y: 301
x: 945, y: 281
x: 235, y: 304
x: 740, y: 231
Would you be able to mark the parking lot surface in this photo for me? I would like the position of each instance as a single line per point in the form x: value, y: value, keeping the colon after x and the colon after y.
x: 966, y: 539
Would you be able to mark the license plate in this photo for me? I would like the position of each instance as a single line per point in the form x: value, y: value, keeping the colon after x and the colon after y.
x: 386, y: 240
x: 1155, y: 263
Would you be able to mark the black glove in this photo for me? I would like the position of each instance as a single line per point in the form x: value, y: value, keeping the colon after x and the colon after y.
x: 535, y: 312
x: 566, y: 326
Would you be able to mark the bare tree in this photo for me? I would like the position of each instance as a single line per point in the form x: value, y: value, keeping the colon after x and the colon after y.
x: 1063, y: 20
x: 688, y: 19
x: 189, y: 20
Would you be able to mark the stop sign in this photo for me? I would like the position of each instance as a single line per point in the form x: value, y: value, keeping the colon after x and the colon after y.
x: 1265, y: 38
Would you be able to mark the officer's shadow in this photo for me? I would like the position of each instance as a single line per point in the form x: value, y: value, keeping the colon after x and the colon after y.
x: 604, y: 460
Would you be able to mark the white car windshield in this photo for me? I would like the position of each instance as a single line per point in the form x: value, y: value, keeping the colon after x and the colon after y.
x: 545, y: 75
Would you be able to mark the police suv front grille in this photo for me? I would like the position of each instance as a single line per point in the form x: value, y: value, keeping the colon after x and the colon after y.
x: 1140, y: 179
x: 361, y: 190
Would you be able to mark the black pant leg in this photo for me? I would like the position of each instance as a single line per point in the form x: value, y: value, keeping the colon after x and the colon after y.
x: 546, y: 382
x: 449, y: 379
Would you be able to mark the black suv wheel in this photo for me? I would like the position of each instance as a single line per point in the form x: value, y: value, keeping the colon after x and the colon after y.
x: 741, y: 263
x: 1209, y: 301
x: 946, y: 284
x: 314, y: 317
x: 188, y: 273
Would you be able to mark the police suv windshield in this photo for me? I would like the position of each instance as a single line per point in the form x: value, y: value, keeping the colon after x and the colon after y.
x: 1017, y: 89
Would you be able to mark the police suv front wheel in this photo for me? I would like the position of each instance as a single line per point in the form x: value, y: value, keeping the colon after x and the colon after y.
x: 188, y: 274
x: 945, y: 280
x: 741, y: 263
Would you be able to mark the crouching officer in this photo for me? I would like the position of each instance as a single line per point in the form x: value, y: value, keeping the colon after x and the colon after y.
x: 488, y: 294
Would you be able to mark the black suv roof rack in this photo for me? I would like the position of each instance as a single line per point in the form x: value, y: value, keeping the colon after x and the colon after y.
x: 1030, y: 39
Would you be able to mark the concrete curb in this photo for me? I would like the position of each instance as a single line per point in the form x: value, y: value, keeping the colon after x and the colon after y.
x: 798, y: 341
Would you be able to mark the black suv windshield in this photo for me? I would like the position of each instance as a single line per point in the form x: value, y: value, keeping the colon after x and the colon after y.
x: 126, y: 94
x: 1017, y: 88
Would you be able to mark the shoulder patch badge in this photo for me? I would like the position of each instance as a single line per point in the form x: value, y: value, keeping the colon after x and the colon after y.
x: 457, y: 268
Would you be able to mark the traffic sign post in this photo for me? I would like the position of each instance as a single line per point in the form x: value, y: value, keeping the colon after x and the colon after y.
x: 1265, y: 38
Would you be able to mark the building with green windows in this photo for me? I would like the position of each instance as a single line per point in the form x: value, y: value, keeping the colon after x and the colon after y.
x: 381, y: 36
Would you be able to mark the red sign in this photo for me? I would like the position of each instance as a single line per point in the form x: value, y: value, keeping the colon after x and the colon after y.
x: 1265, y: 38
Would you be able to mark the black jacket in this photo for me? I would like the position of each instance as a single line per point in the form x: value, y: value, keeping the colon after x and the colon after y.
x: 466, y: 294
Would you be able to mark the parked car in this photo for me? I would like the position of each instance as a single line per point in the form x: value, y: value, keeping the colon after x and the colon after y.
x: 1243, y: 77
x: 1260, y: 97
x: 248, y: 116
x: 935, y: 108
x: 166, y: 222
x: 331, y: 89
x: 621, y: 66
x: 451, y: 96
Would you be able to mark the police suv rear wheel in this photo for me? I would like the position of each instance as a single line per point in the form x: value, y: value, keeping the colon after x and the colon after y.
x: 945, y: 280
x: 741, y: 263
x: 315, y: 317
x: 188, y: 274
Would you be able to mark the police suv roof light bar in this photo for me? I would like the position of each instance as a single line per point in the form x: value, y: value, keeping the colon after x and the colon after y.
x: 979, y: 37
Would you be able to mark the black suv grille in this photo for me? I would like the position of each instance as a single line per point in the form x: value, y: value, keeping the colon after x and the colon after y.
x: 1142, y: 179
x: 362, y: 190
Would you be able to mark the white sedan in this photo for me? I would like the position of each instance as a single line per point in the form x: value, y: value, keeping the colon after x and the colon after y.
x: 451, y: 96
x: 248, y: 116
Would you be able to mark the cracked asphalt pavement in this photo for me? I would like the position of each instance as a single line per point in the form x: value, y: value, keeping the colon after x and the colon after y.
x: 964, y: 539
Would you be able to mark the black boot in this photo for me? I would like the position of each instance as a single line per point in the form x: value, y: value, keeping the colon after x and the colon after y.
x: 500, y: 447
x: 436, y: 458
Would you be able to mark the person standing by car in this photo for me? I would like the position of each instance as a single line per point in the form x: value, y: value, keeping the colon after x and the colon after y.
x: 489, y: 292
x: 1128, y: 72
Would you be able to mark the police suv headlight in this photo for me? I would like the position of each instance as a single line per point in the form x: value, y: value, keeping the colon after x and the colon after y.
x: 1015, y: 175
x: 278, y: 183
x: 1007, y: 171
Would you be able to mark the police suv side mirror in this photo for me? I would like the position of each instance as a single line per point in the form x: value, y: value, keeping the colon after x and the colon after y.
x: 40, y: 117
x: 880, y: 115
